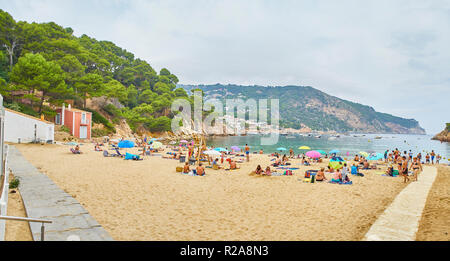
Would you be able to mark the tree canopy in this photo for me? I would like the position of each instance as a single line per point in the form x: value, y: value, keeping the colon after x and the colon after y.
x: 44, y: 63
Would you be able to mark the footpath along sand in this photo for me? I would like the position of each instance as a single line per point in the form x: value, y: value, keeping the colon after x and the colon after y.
x: 400, y: 221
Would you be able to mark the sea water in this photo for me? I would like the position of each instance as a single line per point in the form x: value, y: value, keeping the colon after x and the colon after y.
x: 348, y: 145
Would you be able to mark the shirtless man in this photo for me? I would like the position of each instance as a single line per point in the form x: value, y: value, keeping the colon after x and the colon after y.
x: 247, y: 152
x: 200, y: 170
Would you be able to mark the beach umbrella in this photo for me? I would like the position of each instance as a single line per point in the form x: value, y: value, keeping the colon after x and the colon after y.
x: 334, y: 152
x: 183, y: 141
x: 281, y: 149
x: 126, y: 144
x: 304, y: 148
x: 336, y: 164
x: 156, y: 145
x: 336, y: 159
x: 313, y: 154
x: 220, y: 149
x: 377, y: 156
x: 236, y: 148
x: 212, y: 153
x: 364, y: 154
x: 321, y: 152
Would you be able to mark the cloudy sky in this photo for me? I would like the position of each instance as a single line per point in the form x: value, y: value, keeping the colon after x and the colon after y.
x: 392, y: 55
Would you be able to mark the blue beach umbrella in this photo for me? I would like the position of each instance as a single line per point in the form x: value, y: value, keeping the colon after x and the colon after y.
x: 334, y: 152
x: 126, y: 144
x: 220, y: 149
x: 377, y: 156
x: 281, y: 149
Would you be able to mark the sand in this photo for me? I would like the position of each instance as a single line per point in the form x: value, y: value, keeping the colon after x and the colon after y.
x: 16, y: 230
x: 148, y: 200
x: 435, y: 222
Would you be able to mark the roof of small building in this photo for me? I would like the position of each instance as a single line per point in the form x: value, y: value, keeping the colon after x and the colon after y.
x: 28, y: 116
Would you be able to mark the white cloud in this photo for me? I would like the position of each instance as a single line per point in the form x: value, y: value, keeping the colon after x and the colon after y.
x: 392, y: 55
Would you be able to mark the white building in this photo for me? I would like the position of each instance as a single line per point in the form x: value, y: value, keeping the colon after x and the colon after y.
x: 24, y: 128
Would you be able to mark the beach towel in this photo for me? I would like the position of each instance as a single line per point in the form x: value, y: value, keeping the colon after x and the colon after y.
x: 285, y: 168
x: 340, y: 182
x: 129, y: 156
x: 106, y: 154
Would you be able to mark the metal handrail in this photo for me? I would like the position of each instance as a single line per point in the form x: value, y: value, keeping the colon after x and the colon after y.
x: 43, y: 221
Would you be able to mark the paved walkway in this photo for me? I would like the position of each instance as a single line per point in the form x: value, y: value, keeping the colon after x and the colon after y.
x: 400, y: 221
x: 43, y: 199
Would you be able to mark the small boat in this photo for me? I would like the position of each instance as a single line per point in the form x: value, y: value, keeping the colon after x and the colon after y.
x: 318, y: 137
x: 378, y: 138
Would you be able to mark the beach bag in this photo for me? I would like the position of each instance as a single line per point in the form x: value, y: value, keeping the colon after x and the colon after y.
x: 179, y: 169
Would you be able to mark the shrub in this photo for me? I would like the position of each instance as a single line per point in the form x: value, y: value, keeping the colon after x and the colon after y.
x: 65, y: 129
x: 99, y: 119
x: 14, y: 183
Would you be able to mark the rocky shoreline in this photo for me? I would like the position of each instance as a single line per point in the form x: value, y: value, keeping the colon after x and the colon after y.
x: 443, y: 136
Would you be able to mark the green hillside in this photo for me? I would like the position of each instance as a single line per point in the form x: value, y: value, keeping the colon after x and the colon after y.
x: 302, y: 106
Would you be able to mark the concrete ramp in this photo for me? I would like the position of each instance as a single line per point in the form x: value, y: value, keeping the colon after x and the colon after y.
x: 400, y: 221
x: 43, y: 199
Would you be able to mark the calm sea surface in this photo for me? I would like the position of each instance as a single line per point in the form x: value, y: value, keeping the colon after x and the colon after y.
x: 348, y: 145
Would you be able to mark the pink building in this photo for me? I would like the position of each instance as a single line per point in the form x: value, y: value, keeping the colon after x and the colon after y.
x: 77, y: 121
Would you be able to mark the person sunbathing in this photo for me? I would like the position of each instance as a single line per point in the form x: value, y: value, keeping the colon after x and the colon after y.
x: 77, y: 150
x: 356, y: 158
x: 97, y: 147
x: 390, y: 171
x: 186, y: 168
x: 305, y: 162
x: 366, y: 165
x: 259, y: 170
x: 233, y: 165
x: 200, y: 170
x: 320, y: 176
x: 216, y: 163
x: 330, y: 169
x: 337, y: 177
x: 268, y: 172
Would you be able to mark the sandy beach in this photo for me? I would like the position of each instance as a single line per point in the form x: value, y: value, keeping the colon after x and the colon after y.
x: 149, y: 200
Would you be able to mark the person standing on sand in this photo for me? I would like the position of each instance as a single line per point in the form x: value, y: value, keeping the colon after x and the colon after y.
x: 416, y: 167
x: 386, y: 155
x: 438, y: 157
x: 432, y: 156
x: 291, y: 153
x: 247, y: 152
x: 427, y: 159
x: 404, y: 170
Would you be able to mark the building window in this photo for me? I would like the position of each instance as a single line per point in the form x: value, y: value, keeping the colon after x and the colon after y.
x: 58, y: 119
x: 83, y: 118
